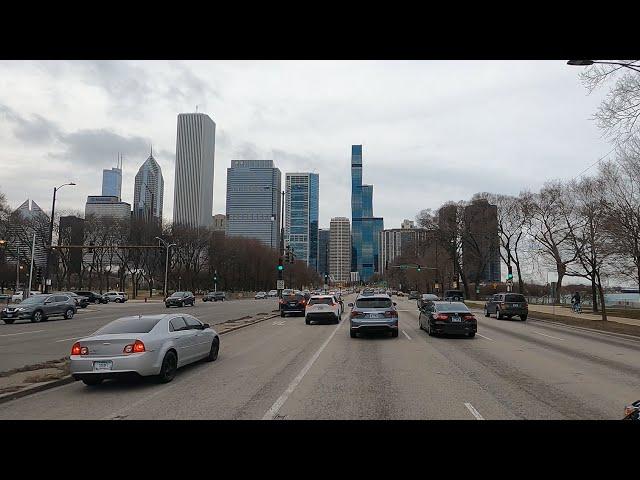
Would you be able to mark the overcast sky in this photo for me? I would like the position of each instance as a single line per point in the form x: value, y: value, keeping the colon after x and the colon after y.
x: 431, y: 131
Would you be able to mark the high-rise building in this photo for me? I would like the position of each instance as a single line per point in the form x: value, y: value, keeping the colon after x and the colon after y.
x: 481, y: 243
x: 365, y: 227
x: 193, y: 193
x: 400, y: 242
x: 112, y: 181
x: 253, y: 200
x: 408, y: 224
x: 323, y: 250
x: 301, y: 217
x: 24, y: 221
x: 340, y: 250
x: 72, y: 233
x: 106, y: 206
x: 148, y: 193
x: 219, y: 222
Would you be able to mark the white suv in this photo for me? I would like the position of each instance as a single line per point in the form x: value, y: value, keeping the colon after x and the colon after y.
x: 323, y: 307
x: 17, y: 297
x: 118, y: 297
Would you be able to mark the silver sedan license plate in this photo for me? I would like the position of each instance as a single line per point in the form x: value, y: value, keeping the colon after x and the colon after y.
x: 103, y: 365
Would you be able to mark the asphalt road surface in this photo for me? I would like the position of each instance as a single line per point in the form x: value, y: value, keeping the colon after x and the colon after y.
x: 26, y: 343
x: 284, y: 369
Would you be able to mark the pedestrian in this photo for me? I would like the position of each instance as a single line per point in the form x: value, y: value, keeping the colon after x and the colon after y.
x: 575, y: 300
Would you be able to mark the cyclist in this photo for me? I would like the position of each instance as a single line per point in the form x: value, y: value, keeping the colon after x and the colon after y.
x: 575, y: 300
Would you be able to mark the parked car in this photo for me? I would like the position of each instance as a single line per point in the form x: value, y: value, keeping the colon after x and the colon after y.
x: 454, y: 295
x: 507, y: 305
x: 414, y: 295
x: 214, y: 297
x: 323, y: 307
x: 117, y: 297
x: 93, y: 297
x: 438, y: 317
x: 40, y: 307
x: 426, y: 297
x: 260, y: 295
x: 81, y: 301
x: 143, y: 345
x: 373, y: 313
x: 180, y: 299
x: 400, y: 294
x: 272, y: 293
x: 293, y: 303
x: 17, y: 297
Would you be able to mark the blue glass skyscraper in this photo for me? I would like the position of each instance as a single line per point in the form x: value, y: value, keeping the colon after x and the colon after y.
x: 301, y: 223
x: 366, y: 228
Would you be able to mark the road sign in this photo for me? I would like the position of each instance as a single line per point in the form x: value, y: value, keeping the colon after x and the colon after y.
x: 280, y: 285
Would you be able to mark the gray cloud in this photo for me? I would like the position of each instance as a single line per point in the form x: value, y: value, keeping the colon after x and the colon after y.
x: 35, y: 130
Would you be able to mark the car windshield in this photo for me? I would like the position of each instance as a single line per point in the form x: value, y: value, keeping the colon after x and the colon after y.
x: 178, y: 294
x: 129, y: 325
x: 514, y: 298
x: 453, y: 293
x: 34, y: 299
x: 452, y: 307
x: 374, y: 302
x: 321, y: 301
x: 291, y: 298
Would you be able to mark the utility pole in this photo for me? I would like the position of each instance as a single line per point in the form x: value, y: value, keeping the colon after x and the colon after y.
x: 33, y: 252
x: 53, y: 211
x: 18, y: 271
x: 280, y: 265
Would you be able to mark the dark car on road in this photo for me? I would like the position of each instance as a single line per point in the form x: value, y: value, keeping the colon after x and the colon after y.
x: 214, y: 297
x: 438, y: 317
x: 92, y: 297
x: 41, y: 307
x: 81, y: 300
x: 374, y: 313
x: 454, y: 295
x: 293, y: 303
x: 426, y: 297
x: 414, y: 295
x: 180, y: 299
x: 507, y: 305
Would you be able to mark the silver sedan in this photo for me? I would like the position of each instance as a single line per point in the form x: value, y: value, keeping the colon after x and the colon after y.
x: 143, y: 345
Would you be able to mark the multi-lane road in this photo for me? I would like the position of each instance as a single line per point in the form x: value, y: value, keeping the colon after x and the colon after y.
x: 284, y: 369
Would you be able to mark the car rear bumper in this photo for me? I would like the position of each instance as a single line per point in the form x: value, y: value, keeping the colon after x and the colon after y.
x: 322, y: 315
x: 454, y: 328
x: 141, y: 363
x: 374, y: 326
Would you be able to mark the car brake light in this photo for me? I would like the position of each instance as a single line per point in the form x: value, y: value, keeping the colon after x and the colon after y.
x: 469, y: 317
x: 135, y: 347
x: 354, y: 314
x: 390, y: 313
x: 441, y: 316
x: 75, y: 350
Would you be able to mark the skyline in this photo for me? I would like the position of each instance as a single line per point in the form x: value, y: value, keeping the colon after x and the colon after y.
x: 77, y: 115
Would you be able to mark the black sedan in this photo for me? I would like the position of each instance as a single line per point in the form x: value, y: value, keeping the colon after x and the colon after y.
x: 92, y: 297
x: 180, y: 299
x: 447, y: 317
x: 81, y: 300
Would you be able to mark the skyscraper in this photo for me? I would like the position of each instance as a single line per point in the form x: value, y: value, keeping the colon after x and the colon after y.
x: 481, y: 243
x: 340, y: 250
x: 112, y: 181
x: 24, y: 221
x: 100, y: 206
x: 301, y: 218
x: 148, y: 193
x: 323, y: 250
x: 193, y: 193
x: 365, y: 227
x: 253, y: 200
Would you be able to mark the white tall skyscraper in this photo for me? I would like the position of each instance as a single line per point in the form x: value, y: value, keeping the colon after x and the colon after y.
x: 340, y: 250
x: 148, y: 194
x: 193, y: 192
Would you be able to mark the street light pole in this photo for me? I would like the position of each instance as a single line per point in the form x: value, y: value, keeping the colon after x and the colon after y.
x: 53, y: 212
x: 586, y: 63
x: 166, y: 263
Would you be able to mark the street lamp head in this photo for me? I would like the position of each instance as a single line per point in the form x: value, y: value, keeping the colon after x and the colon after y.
x: 71, y: 183
x: 580, y: 63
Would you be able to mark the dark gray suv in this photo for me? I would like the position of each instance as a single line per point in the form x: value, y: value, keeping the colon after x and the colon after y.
x: 507, y: 305
x: 40, y: 307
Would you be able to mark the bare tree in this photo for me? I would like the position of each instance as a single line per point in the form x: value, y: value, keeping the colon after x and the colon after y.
x: 618, y: 113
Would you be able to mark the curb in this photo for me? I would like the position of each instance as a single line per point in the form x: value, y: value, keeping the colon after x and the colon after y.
x: 593, y: 330
x: 38, y: 388
x: 69, y: 379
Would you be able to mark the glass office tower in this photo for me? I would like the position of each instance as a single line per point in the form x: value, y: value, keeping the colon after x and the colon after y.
x: 365, y: 227
x: 301, y: 223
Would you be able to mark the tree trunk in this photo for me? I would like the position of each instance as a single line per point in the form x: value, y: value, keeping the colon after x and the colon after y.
x: 520, y: 281
x: 559, y: 285
x: 602, y: 305
x: 594, y: 294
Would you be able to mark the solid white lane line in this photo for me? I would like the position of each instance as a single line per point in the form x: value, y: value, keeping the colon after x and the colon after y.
x: 406, y: 334
x: 272, y: 412
x: 72, y: 338
x: 485, y: 337
x: 545, y: 335
x: 22, y: 333
x: 473, y: 411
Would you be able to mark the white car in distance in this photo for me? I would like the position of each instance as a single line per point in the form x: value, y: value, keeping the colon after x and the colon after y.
x: 322, y: 307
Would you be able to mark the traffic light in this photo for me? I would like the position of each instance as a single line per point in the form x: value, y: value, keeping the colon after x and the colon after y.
x: 418, y: 267
x: 510, y: 274
x: 280, y: 266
